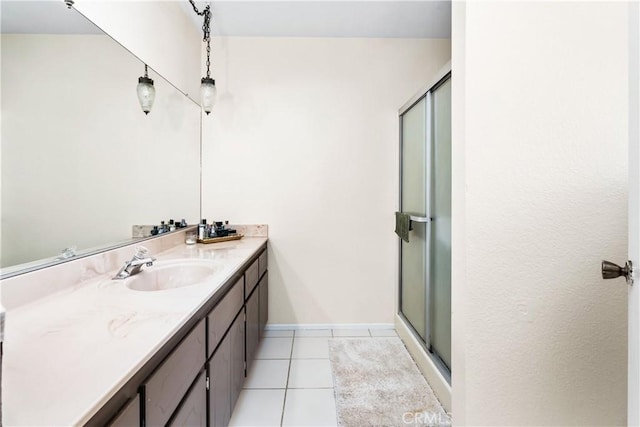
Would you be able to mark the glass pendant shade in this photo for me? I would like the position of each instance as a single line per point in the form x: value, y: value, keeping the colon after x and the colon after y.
x: 146, y: 93
x: 208, y: 94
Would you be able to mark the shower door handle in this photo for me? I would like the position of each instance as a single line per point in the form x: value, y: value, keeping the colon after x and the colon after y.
x: 422, y: 219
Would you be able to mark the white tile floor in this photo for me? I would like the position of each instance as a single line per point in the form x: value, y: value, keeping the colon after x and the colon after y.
x: 290, y: 382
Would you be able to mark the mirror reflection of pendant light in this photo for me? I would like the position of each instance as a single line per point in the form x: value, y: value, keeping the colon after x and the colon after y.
x: 208, y: 90
x: 146, y: 91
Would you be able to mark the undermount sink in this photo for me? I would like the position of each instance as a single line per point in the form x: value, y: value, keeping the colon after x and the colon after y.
x: 163, y: 276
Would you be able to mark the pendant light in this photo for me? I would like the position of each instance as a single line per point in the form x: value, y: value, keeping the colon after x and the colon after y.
x: 146, y: 91
x: 208, y: 90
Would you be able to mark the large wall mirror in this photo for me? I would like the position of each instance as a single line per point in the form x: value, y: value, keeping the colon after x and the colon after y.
x: 81, y: 162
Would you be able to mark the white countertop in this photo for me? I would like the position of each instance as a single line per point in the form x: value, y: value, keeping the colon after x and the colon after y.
x: 67, y: 354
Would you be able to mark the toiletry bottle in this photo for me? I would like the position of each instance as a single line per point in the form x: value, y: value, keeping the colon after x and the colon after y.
x: 172, y: 225
x: 183, y: 223
x: 202, y: 230
x: 220, y: 230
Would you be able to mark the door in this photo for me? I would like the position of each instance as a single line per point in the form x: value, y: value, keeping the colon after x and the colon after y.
x: 439, y: 280
x: 610, y: 270
x: 633, y: 383
x: 413, y: 254
x: 425, y: 195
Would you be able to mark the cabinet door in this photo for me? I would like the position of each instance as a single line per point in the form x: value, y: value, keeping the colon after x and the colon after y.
x: 221, y: 317
x: 263, y: 288
x: 129, y: 416
x: 166, y: 387
x: 253, y: 321
x: 220, y: 384
x: 193, y: 411
x: 237, y: 358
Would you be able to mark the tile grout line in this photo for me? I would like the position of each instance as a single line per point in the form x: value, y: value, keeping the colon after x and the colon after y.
x: 284, y: 403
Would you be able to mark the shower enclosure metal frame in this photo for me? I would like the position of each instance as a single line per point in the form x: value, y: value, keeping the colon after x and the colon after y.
x: 425, y: 93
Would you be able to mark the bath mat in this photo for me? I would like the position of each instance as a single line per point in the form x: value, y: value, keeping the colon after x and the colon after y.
x: 377, y: 383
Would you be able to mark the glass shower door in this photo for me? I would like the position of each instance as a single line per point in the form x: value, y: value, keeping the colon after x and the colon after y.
x: 440, y: 236
x: 425, y: 261
x: 414, y: 201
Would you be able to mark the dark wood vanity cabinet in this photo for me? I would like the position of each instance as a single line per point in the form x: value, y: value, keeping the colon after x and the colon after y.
x: 226, y: 342
x: 220, y: 384
x: 226, y: 374
x: 257, y: 307
x: 166, y: 387
x: 252, y: 305
x: 129, y: 416
x: 220, y: 318
x: 237, y: 357
x: 263, y: 310
x: 262, y: 263
x: 199, y: 381
x: 193, y: 410
x: 263, y: 289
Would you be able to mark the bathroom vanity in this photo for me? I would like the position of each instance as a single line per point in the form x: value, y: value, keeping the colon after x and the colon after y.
x: 112, y: 352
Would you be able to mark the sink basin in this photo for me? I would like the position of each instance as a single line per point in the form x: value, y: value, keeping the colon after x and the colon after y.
x: 171, y: 275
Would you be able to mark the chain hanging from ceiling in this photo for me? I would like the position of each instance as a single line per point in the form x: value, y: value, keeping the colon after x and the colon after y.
x: 206, y: 30
x: 208, y: 89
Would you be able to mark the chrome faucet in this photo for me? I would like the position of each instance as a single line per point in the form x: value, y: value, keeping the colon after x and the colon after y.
x: 134, y: 265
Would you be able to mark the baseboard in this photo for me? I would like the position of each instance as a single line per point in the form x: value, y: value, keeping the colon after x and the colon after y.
x: 438, y: 383
x: 298, y: 326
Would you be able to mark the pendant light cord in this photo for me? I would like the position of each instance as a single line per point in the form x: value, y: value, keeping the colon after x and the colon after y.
x: 206, y: 30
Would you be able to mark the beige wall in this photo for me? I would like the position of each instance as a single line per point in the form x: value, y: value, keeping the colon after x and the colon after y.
x: 160, y: 33
x: 305, y: 138
x: 540, y: 198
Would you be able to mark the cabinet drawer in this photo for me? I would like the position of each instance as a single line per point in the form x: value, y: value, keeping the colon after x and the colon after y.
x: 223, y: 314
x: 129, y: 416
x: 193, y: 411
x: 262, y: 263
x: 251, y: 278
x: 168, y: 384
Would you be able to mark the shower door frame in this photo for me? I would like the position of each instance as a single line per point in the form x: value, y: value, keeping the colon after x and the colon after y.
x: 425, y: 93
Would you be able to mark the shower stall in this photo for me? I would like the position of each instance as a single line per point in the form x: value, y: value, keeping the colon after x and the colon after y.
x: 424, y: 297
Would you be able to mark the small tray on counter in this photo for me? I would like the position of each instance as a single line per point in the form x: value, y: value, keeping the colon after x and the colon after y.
x: 221, y: 239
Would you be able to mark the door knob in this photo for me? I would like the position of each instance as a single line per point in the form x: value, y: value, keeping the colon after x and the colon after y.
x: 611, y: 271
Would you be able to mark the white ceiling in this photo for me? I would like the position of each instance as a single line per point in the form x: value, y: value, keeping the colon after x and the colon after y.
x: 328, y: 18
x: 262, y: 18
x: 43, y: 17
